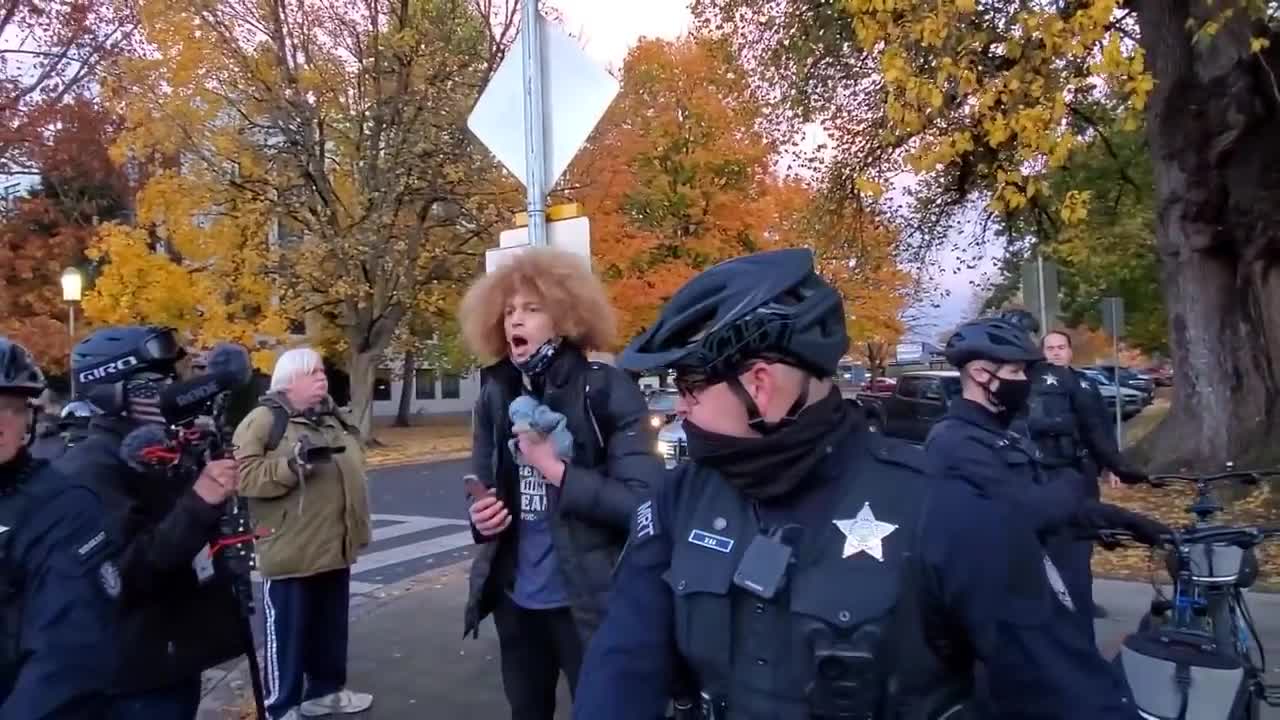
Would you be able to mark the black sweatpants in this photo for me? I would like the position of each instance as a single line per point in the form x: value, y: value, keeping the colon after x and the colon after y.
x: 536, y: 646
x: 306, y: 638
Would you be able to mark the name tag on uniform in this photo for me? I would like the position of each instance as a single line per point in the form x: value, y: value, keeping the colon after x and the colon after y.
x: 707, y: 540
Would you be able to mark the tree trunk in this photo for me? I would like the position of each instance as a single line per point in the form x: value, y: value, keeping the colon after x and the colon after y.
x: 1215, y: 144
x: 410, y: 377
x: 362, y: 366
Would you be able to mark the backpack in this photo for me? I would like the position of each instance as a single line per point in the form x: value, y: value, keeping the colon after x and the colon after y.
x: 280, y: 423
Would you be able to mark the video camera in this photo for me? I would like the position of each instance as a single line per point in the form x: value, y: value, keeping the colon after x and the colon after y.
x: 196, y: 431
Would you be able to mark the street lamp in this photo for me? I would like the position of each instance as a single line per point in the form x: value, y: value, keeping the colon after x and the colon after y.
x: 72, y: 289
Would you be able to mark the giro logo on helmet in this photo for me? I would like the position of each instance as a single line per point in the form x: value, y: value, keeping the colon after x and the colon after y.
x: 115, y: 367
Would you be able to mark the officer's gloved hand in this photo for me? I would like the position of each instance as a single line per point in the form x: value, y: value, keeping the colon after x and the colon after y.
x: 1145, y: 530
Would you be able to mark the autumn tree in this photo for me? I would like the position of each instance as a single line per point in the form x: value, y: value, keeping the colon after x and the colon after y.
x: 314, y: 153
x: 51, y: 227
x: 983, y: 98
x: 51, y: 51
x: 680, y: 175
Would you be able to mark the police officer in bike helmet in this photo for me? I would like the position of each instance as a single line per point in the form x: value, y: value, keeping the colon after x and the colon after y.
x: 58, y: 580
x: 798, y: 566
x: 179, y: 618
x: 1066, y: 419
x: 976, y: 452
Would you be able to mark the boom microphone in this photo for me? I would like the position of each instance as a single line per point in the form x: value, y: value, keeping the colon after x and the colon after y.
x: 146, y: 448
x: 228, y: 369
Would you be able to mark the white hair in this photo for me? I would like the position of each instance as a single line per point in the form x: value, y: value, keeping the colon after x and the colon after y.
x: 299, y: 361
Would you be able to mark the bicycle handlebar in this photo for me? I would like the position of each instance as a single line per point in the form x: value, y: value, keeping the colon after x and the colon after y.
x: 1244, y: 537
x: 1249, y: 476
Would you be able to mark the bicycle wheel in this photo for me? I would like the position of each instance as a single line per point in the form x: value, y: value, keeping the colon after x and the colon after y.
x: 1222, y: 617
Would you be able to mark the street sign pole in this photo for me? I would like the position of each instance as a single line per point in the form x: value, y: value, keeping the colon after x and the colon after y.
x: 1113, y: 322
x: 535, y: 137
x: 1044, y: 308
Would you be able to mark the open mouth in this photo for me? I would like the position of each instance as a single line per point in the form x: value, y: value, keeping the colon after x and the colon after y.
x: 519, y: 344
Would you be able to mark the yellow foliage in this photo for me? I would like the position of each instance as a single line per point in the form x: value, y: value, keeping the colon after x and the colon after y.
x: 942, y: 71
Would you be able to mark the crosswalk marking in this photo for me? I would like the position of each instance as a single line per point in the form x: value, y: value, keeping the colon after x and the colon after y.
x: 397, y: 526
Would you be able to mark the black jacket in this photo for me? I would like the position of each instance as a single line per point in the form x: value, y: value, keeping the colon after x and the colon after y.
x: 171, y: 626
x: 615, y: 467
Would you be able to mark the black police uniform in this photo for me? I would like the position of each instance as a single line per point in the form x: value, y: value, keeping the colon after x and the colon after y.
x: 58, y: 589
x: 899, y: 587
x: 1063, y: 419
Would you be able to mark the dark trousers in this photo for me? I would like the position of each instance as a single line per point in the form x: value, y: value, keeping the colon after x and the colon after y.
x: 176, y: 702
x: 305, y: 637
x: 536, y: 646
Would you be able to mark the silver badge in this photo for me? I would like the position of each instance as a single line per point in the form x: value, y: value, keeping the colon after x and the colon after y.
x: 1050, y: 379
x: 1059, y: 587
x: 109, y: 578
x: 864, y: 533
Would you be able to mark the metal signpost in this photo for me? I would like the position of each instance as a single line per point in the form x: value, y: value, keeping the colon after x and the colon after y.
x: 1113, y: 322
x: 561, y: 93
x: 1040, y: 291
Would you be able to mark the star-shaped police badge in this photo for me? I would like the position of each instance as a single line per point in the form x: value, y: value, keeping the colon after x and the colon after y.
x: 1050, y: 379
x: 864, y: 533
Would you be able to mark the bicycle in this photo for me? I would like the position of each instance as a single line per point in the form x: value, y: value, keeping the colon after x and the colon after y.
x: 1191, y: 655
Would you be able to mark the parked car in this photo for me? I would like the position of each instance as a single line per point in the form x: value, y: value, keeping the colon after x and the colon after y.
x: 662, y: 407
x: 881, y: 384
x: 917, y: 401
x: 1131, y: 379
x: 1163, y: 376
x: 1133, y: 401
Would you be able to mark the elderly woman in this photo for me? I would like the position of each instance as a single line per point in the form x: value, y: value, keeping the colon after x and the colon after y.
x: 553, y: 508
x: 302, y: 468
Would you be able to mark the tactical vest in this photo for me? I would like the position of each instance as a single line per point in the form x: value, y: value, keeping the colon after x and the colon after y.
x: 1052, y: 423
x: 819, y: 647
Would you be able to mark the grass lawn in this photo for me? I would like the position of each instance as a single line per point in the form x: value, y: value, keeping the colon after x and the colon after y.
x: 441, y: 439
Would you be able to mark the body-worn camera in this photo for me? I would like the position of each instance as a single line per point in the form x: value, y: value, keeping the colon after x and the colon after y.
x: 848, y: 681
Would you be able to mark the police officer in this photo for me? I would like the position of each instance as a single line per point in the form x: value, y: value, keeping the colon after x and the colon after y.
x: 58, y: 582
x: 1064, y: 419
x: 803, y: 567
x: 72, y: 427
x: 179, y: 618
x: 975, y: 444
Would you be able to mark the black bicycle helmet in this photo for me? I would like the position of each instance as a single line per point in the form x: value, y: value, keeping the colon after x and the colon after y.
x: 103, y: 361
x: 1024, y: 319
x: 994, y: 339
x: 19, y: 373
x: 770, y: 304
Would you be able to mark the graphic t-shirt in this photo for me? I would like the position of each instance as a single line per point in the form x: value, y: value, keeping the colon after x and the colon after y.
x: 538, y: 582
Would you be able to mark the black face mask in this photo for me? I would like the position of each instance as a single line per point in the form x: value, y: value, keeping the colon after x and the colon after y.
x: 1011, y: 396
x: 776, y: 464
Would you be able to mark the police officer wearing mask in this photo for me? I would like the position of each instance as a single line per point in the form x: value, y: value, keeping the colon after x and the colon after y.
x: 803, y: 567
x: 177, y: 617
x: 1065, y: 419
x: 976, y: 444
x: 58, y: 583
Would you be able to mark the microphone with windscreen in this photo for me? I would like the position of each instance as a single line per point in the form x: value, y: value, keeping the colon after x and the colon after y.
x: 228, y: 368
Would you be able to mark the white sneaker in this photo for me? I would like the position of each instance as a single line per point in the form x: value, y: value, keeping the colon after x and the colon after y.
x: 343, y: 702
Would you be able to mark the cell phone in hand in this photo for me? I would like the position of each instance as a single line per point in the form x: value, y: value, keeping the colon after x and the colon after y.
x: 475, y: 488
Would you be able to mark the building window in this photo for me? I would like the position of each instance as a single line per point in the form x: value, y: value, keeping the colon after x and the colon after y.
x: 424, y: 385
x: 451, y: 386
x: 382, y: 386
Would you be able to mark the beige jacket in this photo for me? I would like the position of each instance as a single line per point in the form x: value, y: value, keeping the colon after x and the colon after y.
x: 317, y: 523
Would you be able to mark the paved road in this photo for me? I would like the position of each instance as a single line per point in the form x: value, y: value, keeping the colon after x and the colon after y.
x: 419, y: 523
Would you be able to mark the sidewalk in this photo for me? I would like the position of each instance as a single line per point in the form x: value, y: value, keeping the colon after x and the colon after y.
x: 407, y: 650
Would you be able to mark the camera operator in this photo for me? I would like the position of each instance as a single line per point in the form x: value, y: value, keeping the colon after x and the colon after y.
x: 177, y: 617
x: 58, y: 582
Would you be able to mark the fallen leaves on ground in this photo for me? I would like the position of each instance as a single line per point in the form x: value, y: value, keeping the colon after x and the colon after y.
x: 1259, y: 505
x: 420, y: 443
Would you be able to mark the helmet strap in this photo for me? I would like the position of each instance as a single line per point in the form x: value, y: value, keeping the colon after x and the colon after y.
x: 755, y: 420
